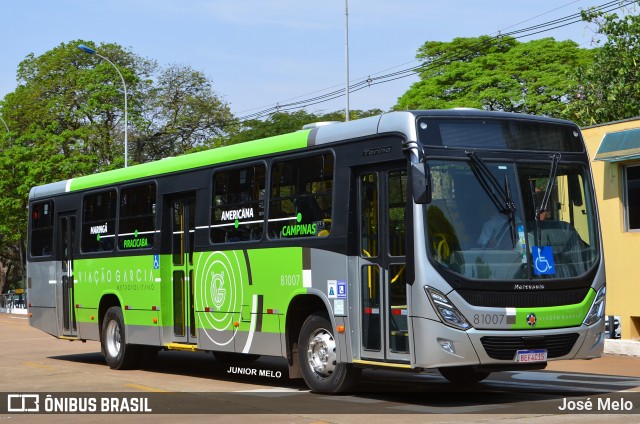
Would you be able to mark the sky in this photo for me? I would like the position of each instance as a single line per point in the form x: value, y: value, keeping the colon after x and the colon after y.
x: 259, y: 53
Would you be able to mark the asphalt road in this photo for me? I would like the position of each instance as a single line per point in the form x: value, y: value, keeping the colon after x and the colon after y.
x: 195, y: 386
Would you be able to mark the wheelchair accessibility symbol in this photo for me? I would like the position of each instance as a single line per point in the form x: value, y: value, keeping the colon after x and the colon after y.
x: 543, y: 260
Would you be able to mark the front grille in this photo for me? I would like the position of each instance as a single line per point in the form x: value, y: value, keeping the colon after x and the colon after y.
x: 514, y: 299
x: 504, y: 348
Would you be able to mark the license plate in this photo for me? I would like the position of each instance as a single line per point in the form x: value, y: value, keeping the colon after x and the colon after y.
x: 534, y: 355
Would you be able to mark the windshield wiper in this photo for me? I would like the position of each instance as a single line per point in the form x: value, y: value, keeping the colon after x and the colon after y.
x: 544, y: 203
x: 500, y: 197
x: 555, y: 158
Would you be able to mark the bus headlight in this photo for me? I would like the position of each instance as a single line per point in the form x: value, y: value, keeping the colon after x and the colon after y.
x: 597, y: 309
x: 448, y: 313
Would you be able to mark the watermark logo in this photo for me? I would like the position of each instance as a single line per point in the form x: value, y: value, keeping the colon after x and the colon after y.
x: 73, y: 403
x: 23, y: 403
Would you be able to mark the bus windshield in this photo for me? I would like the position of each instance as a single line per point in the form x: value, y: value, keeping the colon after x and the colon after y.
x: 506, y: 221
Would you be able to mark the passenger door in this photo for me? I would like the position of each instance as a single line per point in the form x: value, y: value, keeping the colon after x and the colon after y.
x: 383, y: 291
x: 182, y: 209
x: 65, y: 287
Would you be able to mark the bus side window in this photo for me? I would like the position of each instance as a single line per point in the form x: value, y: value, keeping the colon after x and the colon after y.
x: 42, y: 228
x: 237, y: 210
x: 98, y: 222
x: 300, y: 204
x: 137, y: 217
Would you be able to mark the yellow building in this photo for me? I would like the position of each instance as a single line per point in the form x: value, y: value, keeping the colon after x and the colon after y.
x: 614, y: 149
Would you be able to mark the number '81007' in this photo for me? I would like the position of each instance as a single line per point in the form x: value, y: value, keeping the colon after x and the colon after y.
x: 488, y: 319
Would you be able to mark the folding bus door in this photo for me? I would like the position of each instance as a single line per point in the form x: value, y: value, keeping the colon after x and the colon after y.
x: 66, y: 233
x: 383, y: 291
x: 182, y: 209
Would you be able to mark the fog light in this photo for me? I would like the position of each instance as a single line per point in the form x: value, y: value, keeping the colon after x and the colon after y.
x: 598, y: 340
x: 447, y: 345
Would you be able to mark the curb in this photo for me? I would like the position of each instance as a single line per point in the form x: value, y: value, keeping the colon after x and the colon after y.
x: 19, y: 311
x: 622, y: 347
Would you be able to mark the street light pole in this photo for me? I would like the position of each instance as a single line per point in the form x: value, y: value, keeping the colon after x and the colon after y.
x: 5, y: 124
x: 126, y: 123
x: 346, y: 56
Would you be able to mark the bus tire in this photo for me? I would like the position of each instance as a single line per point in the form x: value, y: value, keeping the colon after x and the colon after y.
x: 463, y: 375
x: 317, y: 357
x: 118, y: 354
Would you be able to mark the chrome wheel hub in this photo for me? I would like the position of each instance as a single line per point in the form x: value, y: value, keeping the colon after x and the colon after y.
x: 321, y: 353
x: 113, y: 339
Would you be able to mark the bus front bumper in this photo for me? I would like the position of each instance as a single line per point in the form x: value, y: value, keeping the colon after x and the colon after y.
x: 437, y: 345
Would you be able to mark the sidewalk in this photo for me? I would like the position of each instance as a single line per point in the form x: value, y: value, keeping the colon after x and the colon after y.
x: 622, y: 347
x: 611, y: 363
x: 20, y: 311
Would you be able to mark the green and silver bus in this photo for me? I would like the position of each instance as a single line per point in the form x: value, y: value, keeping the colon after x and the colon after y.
x: 459, y: 240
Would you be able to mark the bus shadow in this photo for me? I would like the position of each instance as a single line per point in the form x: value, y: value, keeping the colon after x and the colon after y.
x: 394, y: 391
x: 266, y: 371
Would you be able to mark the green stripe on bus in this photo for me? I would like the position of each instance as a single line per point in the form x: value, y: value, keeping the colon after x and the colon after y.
x: 554, y: 317
x: 265, y: 146
x: 222, y: 292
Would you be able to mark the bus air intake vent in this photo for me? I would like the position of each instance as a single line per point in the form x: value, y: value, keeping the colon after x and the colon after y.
x: 504, y: 348
x: 512, y: 299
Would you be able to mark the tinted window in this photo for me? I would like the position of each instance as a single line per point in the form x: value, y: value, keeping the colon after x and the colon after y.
x: 632, y: 197
x: 137, y: 217
x: 99, y: 221
x: 237, y: 212
x: 499, y: 134
x: 301, y: 197
x: 42, y: 228
x: 397, y: 190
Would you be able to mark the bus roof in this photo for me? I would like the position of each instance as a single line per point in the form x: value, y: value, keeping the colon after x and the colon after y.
x: 255, y: 148
x: 391, y: 122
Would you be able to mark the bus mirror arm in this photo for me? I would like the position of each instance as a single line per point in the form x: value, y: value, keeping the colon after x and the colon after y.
x: 420, y: 187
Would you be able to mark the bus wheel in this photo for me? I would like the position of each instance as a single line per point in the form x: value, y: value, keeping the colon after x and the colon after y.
x: 318, y: 358
x: 465, y: 375
x: 117, y: 353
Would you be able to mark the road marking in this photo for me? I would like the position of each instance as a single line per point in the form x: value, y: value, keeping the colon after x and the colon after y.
x: 273, y: 392
x: 352, y: 399
x: 446, y: 410
x: 39, y: 365
x: 145, y: 388
x: 572, y: 378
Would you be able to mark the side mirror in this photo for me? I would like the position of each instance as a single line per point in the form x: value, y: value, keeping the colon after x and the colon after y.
x: 420, y: 187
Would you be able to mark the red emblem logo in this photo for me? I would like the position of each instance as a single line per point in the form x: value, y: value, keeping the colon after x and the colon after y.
x: 531, y: 319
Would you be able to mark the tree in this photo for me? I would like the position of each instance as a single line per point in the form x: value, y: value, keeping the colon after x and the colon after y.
x: 64, y: 116
x: 495, y: 74
x: 181, y: 113
x: 67, y: 119
x: 71, y: 104
x: 608, y: 89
